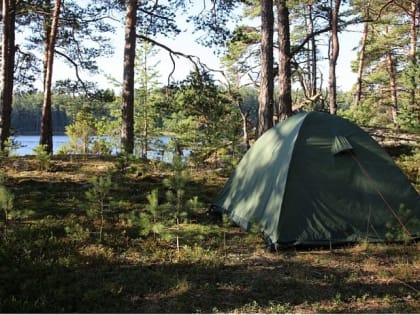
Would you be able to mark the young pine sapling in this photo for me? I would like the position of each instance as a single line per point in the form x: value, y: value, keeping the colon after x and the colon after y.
x: 98, y: 196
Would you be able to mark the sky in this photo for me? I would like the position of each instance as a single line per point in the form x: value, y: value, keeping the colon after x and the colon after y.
x: 185, y: 43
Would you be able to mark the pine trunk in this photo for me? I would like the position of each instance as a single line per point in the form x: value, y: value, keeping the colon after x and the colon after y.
x: 393, y: 89
x: 145, y: 112
x: 312, y: 49
x: 8, y: 54
x: 415, y: 19
x: 245, y: 137
x: 285, y: 81
x: 46, y: 121
x: 266, y: 103
x: 127, y: 109
x: 244, y: 118
x: 359, y: 85
x: 335, y: 49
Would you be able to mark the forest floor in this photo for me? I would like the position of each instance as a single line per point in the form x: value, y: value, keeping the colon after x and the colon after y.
x: 52, y: 260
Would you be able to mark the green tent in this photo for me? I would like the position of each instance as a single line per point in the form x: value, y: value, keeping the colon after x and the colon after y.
x: 318, y: 179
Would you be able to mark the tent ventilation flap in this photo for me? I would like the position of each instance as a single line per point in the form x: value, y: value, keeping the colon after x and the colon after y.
x: 341, y: 145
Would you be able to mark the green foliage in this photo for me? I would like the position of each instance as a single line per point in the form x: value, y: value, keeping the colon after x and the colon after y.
x: 42, y: 156
x: 366, y: 115
x: 124, y: 161
x: 6, y: 199
x: 98, y: 196
x: 205, y: 115
x: 408, y: 118
x: 185, y: 129
x: 153, y: 222
x: 175, y: 192
x: 193, y: 204
x: 400, y: 230
x: 6, y: 205
x: 153, y: 205
x: 80, y: 132
x: 77, y: 232
x: 360, y: 116
x: 10, y: 145
x: 148, y: 97
x: 107, y: 135
x: 255, y: 229
x: 409, y: 163
x: 148, y: 227
x: 229, y: 159
x: 390, y: 79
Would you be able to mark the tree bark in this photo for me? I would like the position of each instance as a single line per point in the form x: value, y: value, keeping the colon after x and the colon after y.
x: 8, y: 60
x: 245, y: 137
x: 359, y: 84
x: 244, y: 117
x: 312, y: 49
x: 415, y: 19
x: 265, y: 99
x: 146, y: 108
x: 392, y: 88
x: 127, y: 108
x: 285, y: 73
x: 390, y: 66
x: 335, y: 49
x: 46, y: 121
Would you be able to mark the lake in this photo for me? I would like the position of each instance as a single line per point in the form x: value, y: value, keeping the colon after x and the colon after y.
x: 28, y: 143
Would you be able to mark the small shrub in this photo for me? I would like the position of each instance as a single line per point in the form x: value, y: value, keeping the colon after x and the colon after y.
x: 123, y: 162
x: 101, y: 146
x: 42, y: 156
x: 98, y: 196
x: 151, y: 222
x: 193, y: 205
x: 175, y: 193
x: 77, y: 232
x: 6, y: 204
x: 400, y: 230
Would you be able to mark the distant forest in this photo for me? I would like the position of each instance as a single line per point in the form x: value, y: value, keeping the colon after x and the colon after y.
x: 26, y: 115
x: 26, y: 122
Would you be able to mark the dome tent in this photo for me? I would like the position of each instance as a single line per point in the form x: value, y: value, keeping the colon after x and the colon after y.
x: 318, y: 179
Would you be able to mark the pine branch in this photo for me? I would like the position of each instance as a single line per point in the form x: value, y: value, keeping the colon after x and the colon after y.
x: 76, y: 68
x: 297, y: 49
x: 195, y: 60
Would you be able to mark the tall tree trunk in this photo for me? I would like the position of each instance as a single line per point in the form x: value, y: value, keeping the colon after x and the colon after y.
x: 244, y: 117
x: 46, y: 121
x: 47, y: 31
x: 8, y: 61
x: 146, y: 108
x: 334, y: 51
x: 390, y: 66
x: 312, y: 49
x: 245, y: 137
x: 127, y: 108
x: 392, y: 88
x: 415, y: 19
x: 285, y: 73
x: 266, y: 96
x: 359, y: 86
